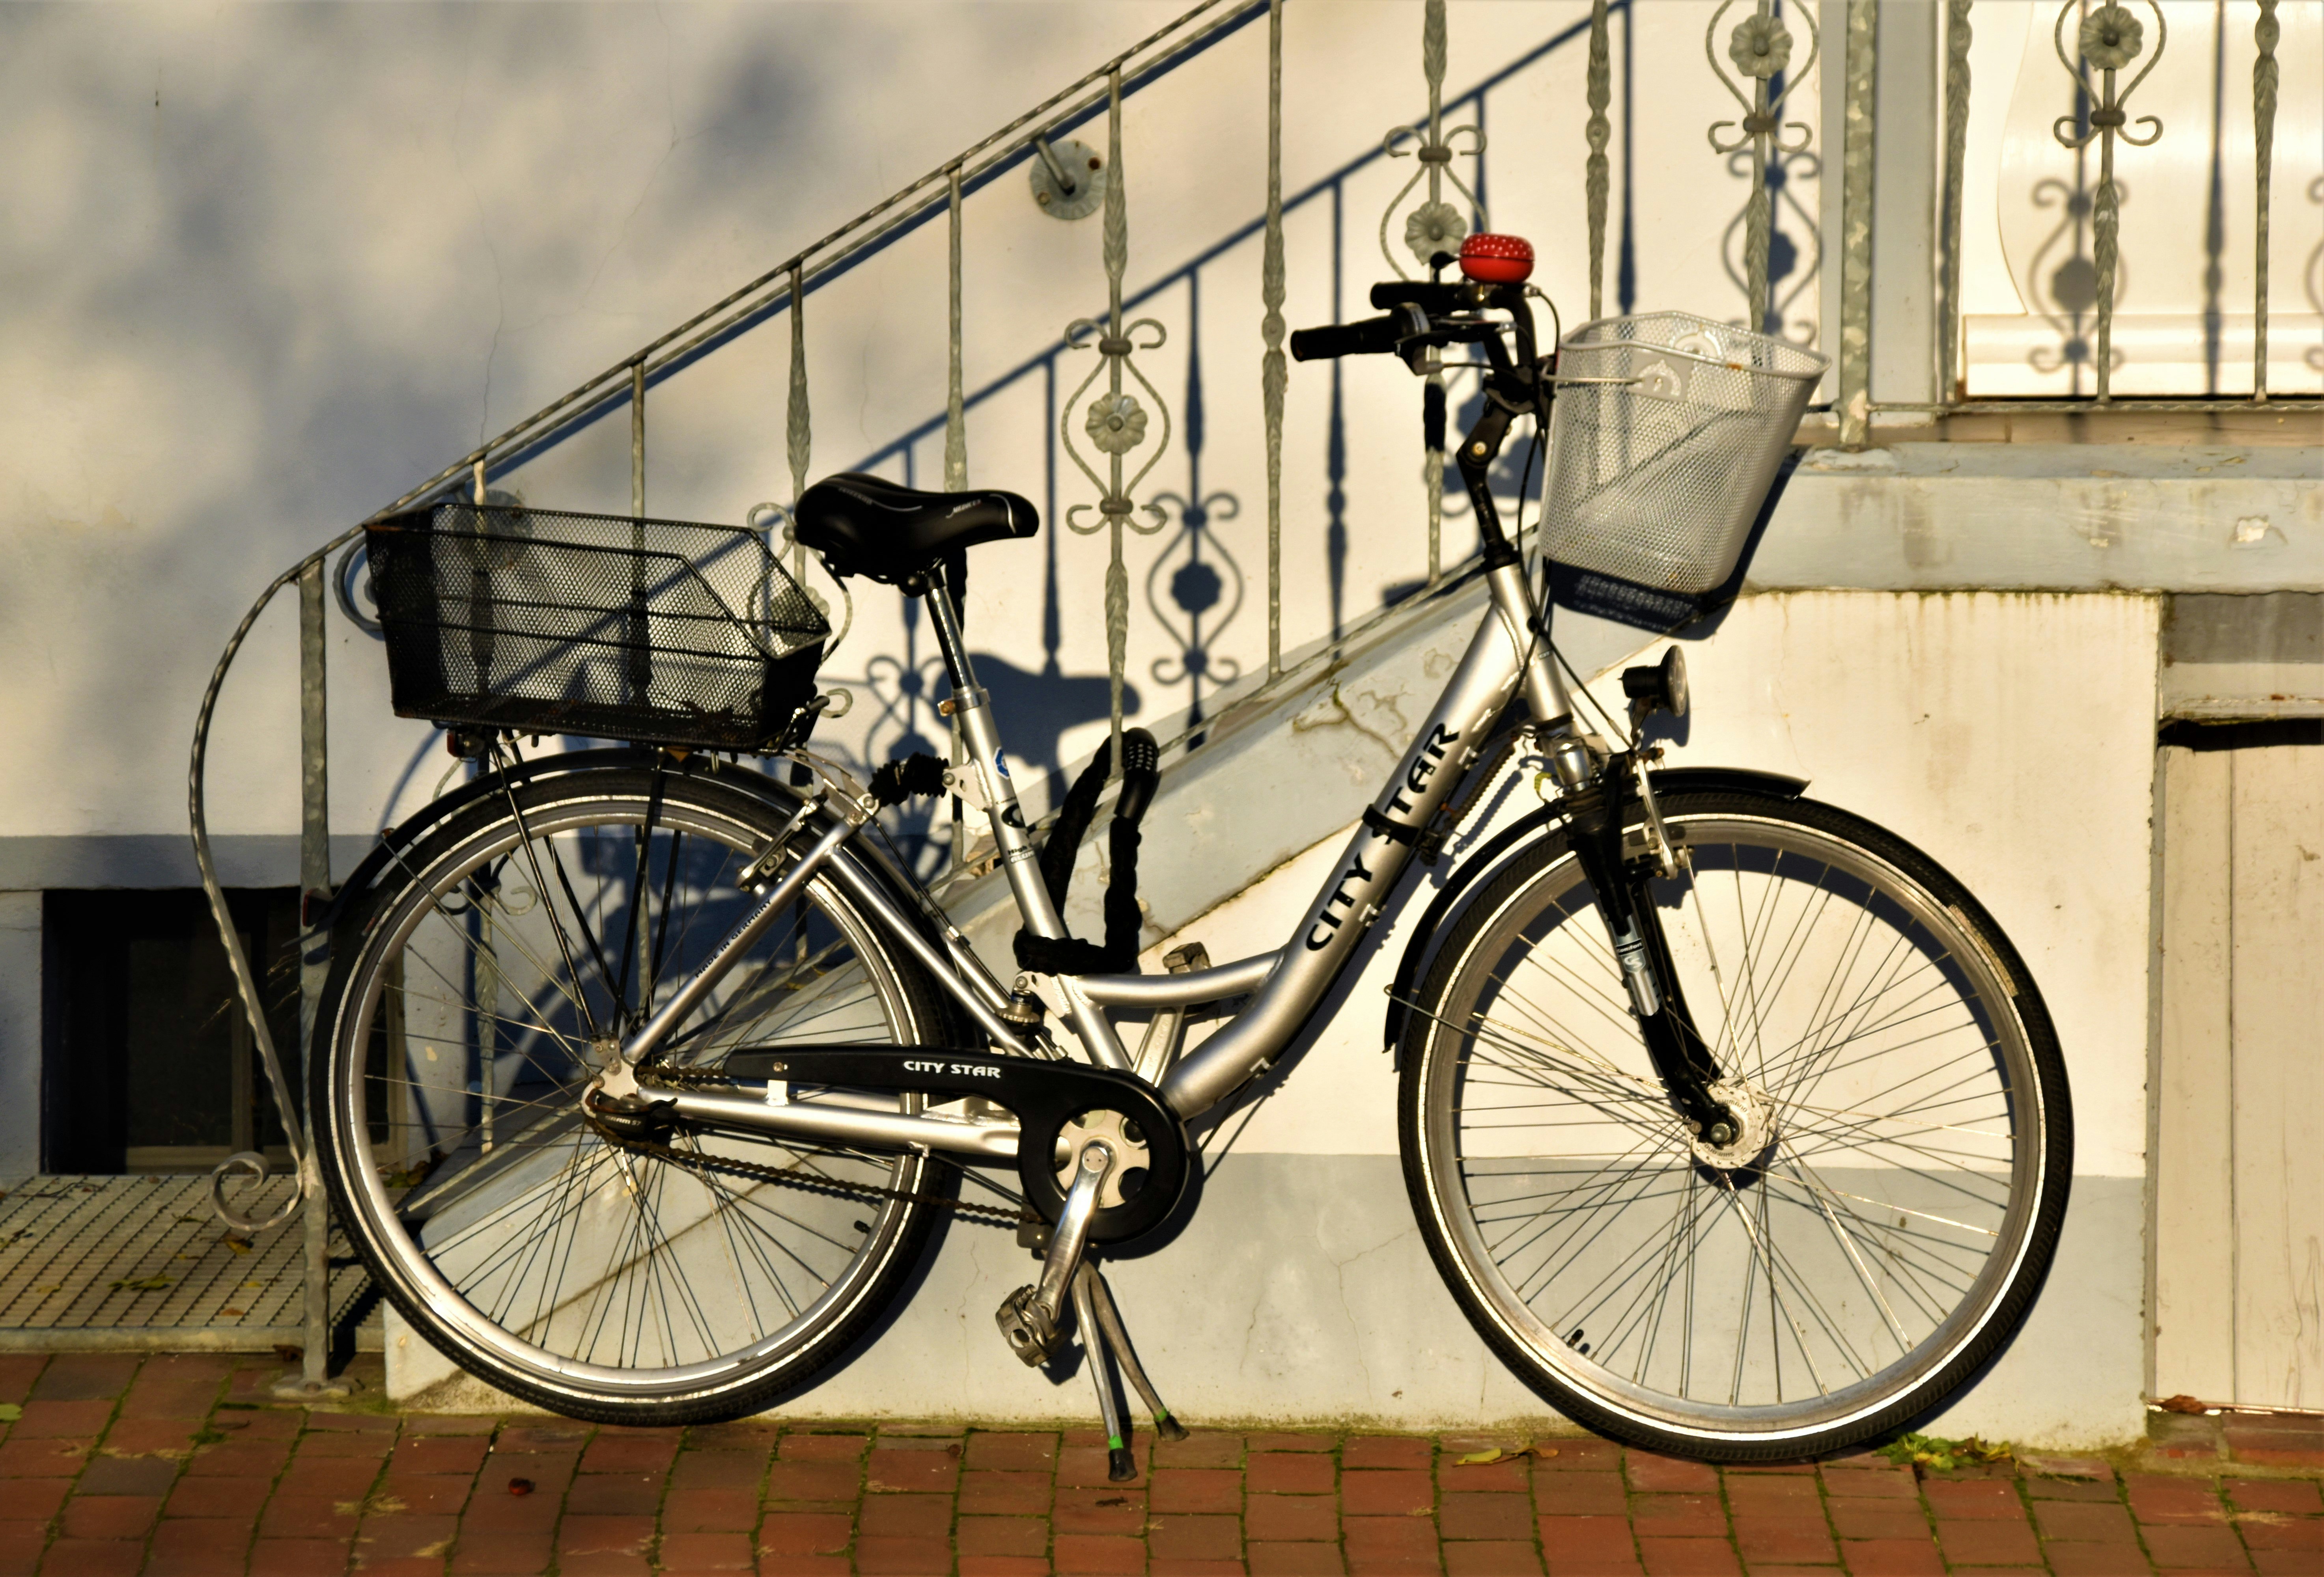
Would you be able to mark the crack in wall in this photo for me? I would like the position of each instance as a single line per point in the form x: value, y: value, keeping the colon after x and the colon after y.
x: 1309, y: 721
x: 1340, y: 1273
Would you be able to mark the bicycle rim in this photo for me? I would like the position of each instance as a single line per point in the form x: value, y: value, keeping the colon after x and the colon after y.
x: 488, y: 987
x: 1877, y: 1229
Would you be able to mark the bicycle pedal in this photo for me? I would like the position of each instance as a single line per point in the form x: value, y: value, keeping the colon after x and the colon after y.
x: 1027, y: 1328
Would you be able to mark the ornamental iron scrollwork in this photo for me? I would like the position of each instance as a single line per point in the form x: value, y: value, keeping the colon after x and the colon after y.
x: 2110, y: 41
x: 1115, y: 422
x: 1760, y: 48
x: 1434, y: 228
x: 2067, y: 294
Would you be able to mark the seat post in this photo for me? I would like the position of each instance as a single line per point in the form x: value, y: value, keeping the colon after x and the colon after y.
x: 938, y: 599
x: 1019, y: 861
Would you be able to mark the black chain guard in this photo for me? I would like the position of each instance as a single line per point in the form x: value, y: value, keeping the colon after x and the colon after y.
x: 1043, y: 1096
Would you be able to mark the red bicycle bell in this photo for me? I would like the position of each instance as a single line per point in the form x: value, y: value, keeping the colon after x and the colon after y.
x: 1496, y: 260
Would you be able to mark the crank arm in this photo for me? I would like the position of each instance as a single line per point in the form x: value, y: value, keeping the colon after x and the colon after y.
x: 1029, y: 1317
x: 748, y: 1110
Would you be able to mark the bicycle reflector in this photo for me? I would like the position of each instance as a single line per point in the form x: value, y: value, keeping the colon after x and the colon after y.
x: 1496, y: 260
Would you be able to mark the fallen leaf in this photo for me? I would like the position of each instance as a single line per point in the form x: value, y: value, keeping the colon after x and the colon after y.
x: 10, y: 1412
x: 1493, y: 1454
x: 232, y: 1311
x: 520, y: 1486
x: 2182, y: 1404
x: 147, y: 1284
x: 239, y: 1245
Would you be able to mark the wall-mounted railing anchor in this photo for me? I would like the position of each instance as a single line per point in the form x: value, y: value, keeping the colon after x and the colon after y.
x: 1068, y: 178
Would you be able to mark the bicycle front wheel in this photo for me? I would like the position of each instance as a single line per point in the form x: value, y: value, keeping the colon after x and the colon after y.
x: 1878, y: 1228
x: 689, y: 1278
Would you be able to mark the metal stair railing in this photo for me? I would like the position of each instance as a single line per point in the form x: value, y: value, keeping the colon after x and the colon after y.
x: 781, y: 290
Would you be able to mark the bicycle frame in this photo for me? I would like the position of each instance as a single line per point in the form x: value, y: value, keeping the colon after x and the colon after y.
x: 1506, y: 658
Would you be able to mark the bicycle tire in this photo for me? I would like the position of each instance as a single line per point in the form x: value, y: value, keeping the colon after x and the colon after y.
x: 491, y: 1253
x: 1906, y: 1101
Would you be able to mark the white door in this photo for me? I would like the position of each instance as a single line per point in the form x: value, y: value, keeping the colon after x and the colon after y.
x: 2239, y: 1164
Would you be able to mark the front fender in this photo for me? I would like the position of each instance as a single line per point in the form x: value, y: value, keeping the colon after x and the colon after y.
x: 1675, y: 780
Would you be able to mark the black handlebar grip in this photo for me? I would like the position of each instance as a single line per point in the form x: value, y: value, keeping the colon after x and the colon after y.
x: 1435, y: 298
x: 1373, y: 337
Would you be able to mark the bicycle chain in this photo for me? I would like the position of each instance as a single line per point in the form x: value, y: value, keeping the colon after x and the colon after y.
x: 697, y: 1078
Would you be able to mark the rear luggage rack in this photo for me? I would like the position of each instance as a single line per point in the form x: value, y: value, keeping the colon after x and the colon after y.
x: 502, y: 617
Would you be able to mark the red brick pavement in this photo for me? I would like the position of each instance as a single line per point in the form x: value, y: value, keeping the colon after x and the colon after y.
x: 180, y: 1465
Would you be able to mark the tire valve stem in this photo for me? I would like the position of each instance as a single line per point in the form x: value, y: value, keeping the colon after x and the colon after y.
x: 1631, y: 947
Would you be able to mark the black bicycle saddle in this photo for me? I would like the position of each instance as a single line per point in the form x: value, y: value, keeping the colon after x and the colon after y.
x: 865, y: 525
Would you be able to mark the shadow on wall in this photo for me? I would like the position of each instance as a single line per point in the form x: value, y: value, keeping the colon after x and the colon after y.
x: 1195, y: 588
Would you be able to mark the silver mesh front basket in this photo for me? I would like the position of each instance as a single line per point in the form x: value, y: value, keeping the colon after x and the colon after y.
x: 1667, y: 431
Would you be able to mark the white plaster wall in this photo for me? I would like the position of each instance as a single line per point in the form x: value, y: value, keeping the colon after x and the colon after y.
x: 270, y: 266
x: 2008, y: 735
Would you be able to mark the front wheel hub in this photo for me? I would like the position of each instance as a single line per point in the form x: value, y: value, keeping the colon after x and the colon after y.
x: 1749, y: 1127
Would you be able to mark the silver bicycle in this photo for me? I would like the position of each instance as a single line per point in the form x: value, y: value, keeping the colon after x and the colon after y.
x: 1733, y: 1123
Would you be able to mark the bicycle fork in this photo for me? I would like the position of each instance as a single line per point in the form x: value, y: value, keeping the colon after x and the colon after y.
x: 1624, y: 890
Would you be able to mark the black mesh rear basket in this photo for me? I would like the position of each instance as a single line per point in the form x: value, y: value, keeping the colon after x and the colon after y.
x: 538, y: 621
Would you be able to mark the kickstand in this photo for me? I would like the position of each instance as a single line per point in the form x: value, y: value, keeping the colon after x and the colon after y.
x: 1117, y: 1337
x: 1103, y: 1336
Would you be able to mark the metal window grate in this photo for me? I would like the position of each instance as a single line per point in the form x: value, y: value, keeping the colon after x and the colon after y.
x: 141, y: 1262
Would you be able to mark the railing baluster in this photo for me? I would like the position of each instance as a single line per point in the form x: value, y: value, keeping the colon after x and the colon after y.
x: 637, y: 440
x: 314, y: 1376
x: 1855, y: 404
x: 1595, y: 181
x: 2266, y: 33
x: 956, y: 456
x: 1432, y: 229
x: 1115, y: 422
x: 955, y: 414
x: 795, y: 425
x: 1760, y: 48
x: 2110, y: 39
x: 1957, y: 36
x: 1432, y: 465
x: 1273, y: 372
x: 1117, y: 262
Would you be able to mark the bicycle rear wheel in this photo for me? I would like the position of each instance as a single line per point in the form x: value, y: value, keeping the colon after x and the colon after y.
x: 1879, y: 1228
x: 483, y: 986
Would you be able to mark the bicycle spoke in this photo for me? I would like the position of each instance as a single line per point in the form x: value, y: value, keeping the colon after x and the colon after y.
x: 1828, y: 1259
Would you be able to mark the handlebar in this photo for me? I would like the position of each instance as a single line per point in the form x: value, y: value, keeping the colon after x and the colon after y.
x: 1372, y: 337
x: 1436, y: 298
x: 1423, y: 316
